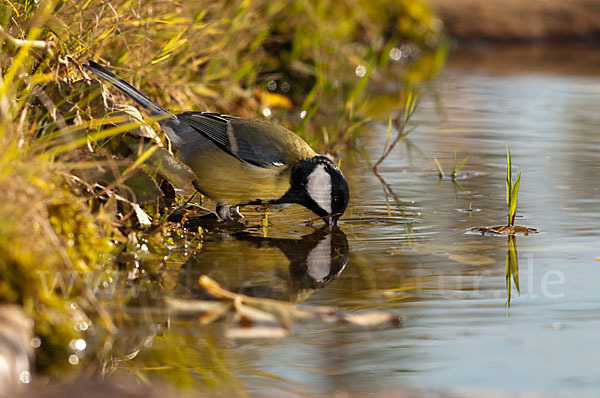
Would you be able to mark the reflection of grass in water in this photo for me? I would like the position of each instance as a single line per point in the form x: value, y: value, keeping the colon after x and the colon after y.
x: 455, y: 166
x: 512, y: 268
x: 407, y: 110
x: 184, y: 355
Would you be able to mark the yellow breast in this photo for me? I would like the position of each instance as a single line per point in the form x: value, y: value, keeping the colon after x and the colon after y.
x: 227, y: 180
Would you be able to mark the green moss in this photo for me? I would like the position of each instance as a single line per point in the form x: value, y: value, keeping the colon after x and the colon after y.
x: 49, y: 246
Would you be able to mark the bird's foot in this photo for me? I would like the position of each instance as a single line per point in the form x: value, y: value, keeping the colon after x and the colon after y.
x: 227, y: 213
x: 235, y: 212
x: 223, y: 212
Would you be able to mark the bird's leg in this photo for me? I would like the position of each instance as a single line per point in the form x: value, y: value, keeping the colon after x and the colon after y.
x: 235, y: 212
x: 223, y: 212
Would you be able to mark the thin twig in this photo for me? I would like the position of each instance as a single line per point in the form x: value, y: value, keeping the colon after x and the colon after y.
x: 408, y: 110
x: 17, y: 43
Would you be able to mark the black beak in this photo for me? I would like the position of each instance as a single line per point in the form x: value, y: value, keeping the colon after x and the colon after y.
x: 334, y: 220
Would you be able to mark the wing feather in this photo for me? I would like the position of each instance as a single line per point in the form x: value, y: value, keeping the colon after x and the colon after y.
x: 255, y: 142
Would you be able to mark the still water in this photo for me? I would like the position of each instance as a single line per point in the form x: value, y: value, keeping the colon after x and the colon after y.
x: 409, y: 251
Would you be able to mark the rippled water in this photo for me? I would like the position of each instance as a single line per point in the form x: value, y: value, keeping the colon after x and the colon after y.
x: 409, y: 251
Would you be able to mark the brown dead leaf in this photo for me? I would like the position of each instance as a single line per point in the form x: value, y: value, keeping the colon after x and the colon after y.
x: 506, y: 230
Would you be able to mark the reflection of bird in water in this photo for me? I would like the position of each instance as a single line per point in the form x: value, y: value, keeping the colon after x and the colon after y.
x: 279, y: 268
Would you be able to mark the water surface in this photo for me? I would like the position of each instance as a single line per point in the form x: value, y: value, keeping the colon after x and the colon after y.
x: 408, y: 251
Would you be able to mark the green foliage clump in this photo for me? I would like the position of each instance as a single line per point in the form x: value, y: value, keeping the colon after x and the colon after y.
x: 49, y: 243
x: 241, y: 57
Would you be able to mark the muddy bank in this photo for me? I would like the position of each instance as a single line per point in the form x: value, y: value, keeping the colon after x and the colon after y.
x: 520, y: 20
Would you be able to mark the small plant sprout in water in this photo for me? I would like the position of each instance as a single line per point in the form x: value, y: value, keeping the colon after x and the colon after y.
x: 512, y: 190
x: 439, y: 167
x: 455, y: 166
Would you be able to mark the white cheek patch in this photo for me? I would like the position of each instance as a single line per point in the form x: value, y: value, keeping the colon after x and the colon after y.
x: 319, y: 187
x: 319, y: 260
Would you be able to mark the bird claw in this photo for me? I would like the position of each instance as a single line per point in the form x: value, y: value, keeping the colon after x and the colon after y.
x: 226, y: 212
x: 235, y: 211
x: 223, y: 212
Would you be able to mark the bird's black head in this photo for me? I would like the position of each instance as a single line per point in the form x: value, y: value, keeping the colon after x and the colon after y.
x: 319, y: 185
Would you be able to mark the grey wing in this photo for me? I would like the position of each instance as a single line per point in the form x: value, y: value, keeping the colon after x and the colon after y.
x: 220, y: 131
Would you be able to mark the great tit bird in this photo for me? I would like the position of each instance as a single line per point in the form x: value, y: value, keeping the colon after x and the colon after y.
x: 241, y: 161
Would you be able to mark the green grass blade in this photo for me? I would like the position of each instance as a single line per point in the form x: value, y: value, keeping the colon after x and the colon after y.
x: 405, y: 134
x: 439, y: 167
x: 460, y: 166
x: 454, y: 163
x: 514, y: 193
x: 508, y: 176
x: 389, y: 134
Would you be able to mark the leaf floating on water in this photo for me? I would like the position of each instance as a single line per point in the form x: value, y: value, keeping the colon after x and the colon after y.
x: 505, y: 230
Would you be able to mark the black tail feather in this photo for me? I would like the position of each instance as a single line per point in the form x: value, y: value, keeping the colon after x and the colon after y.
x: 127, y: 88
